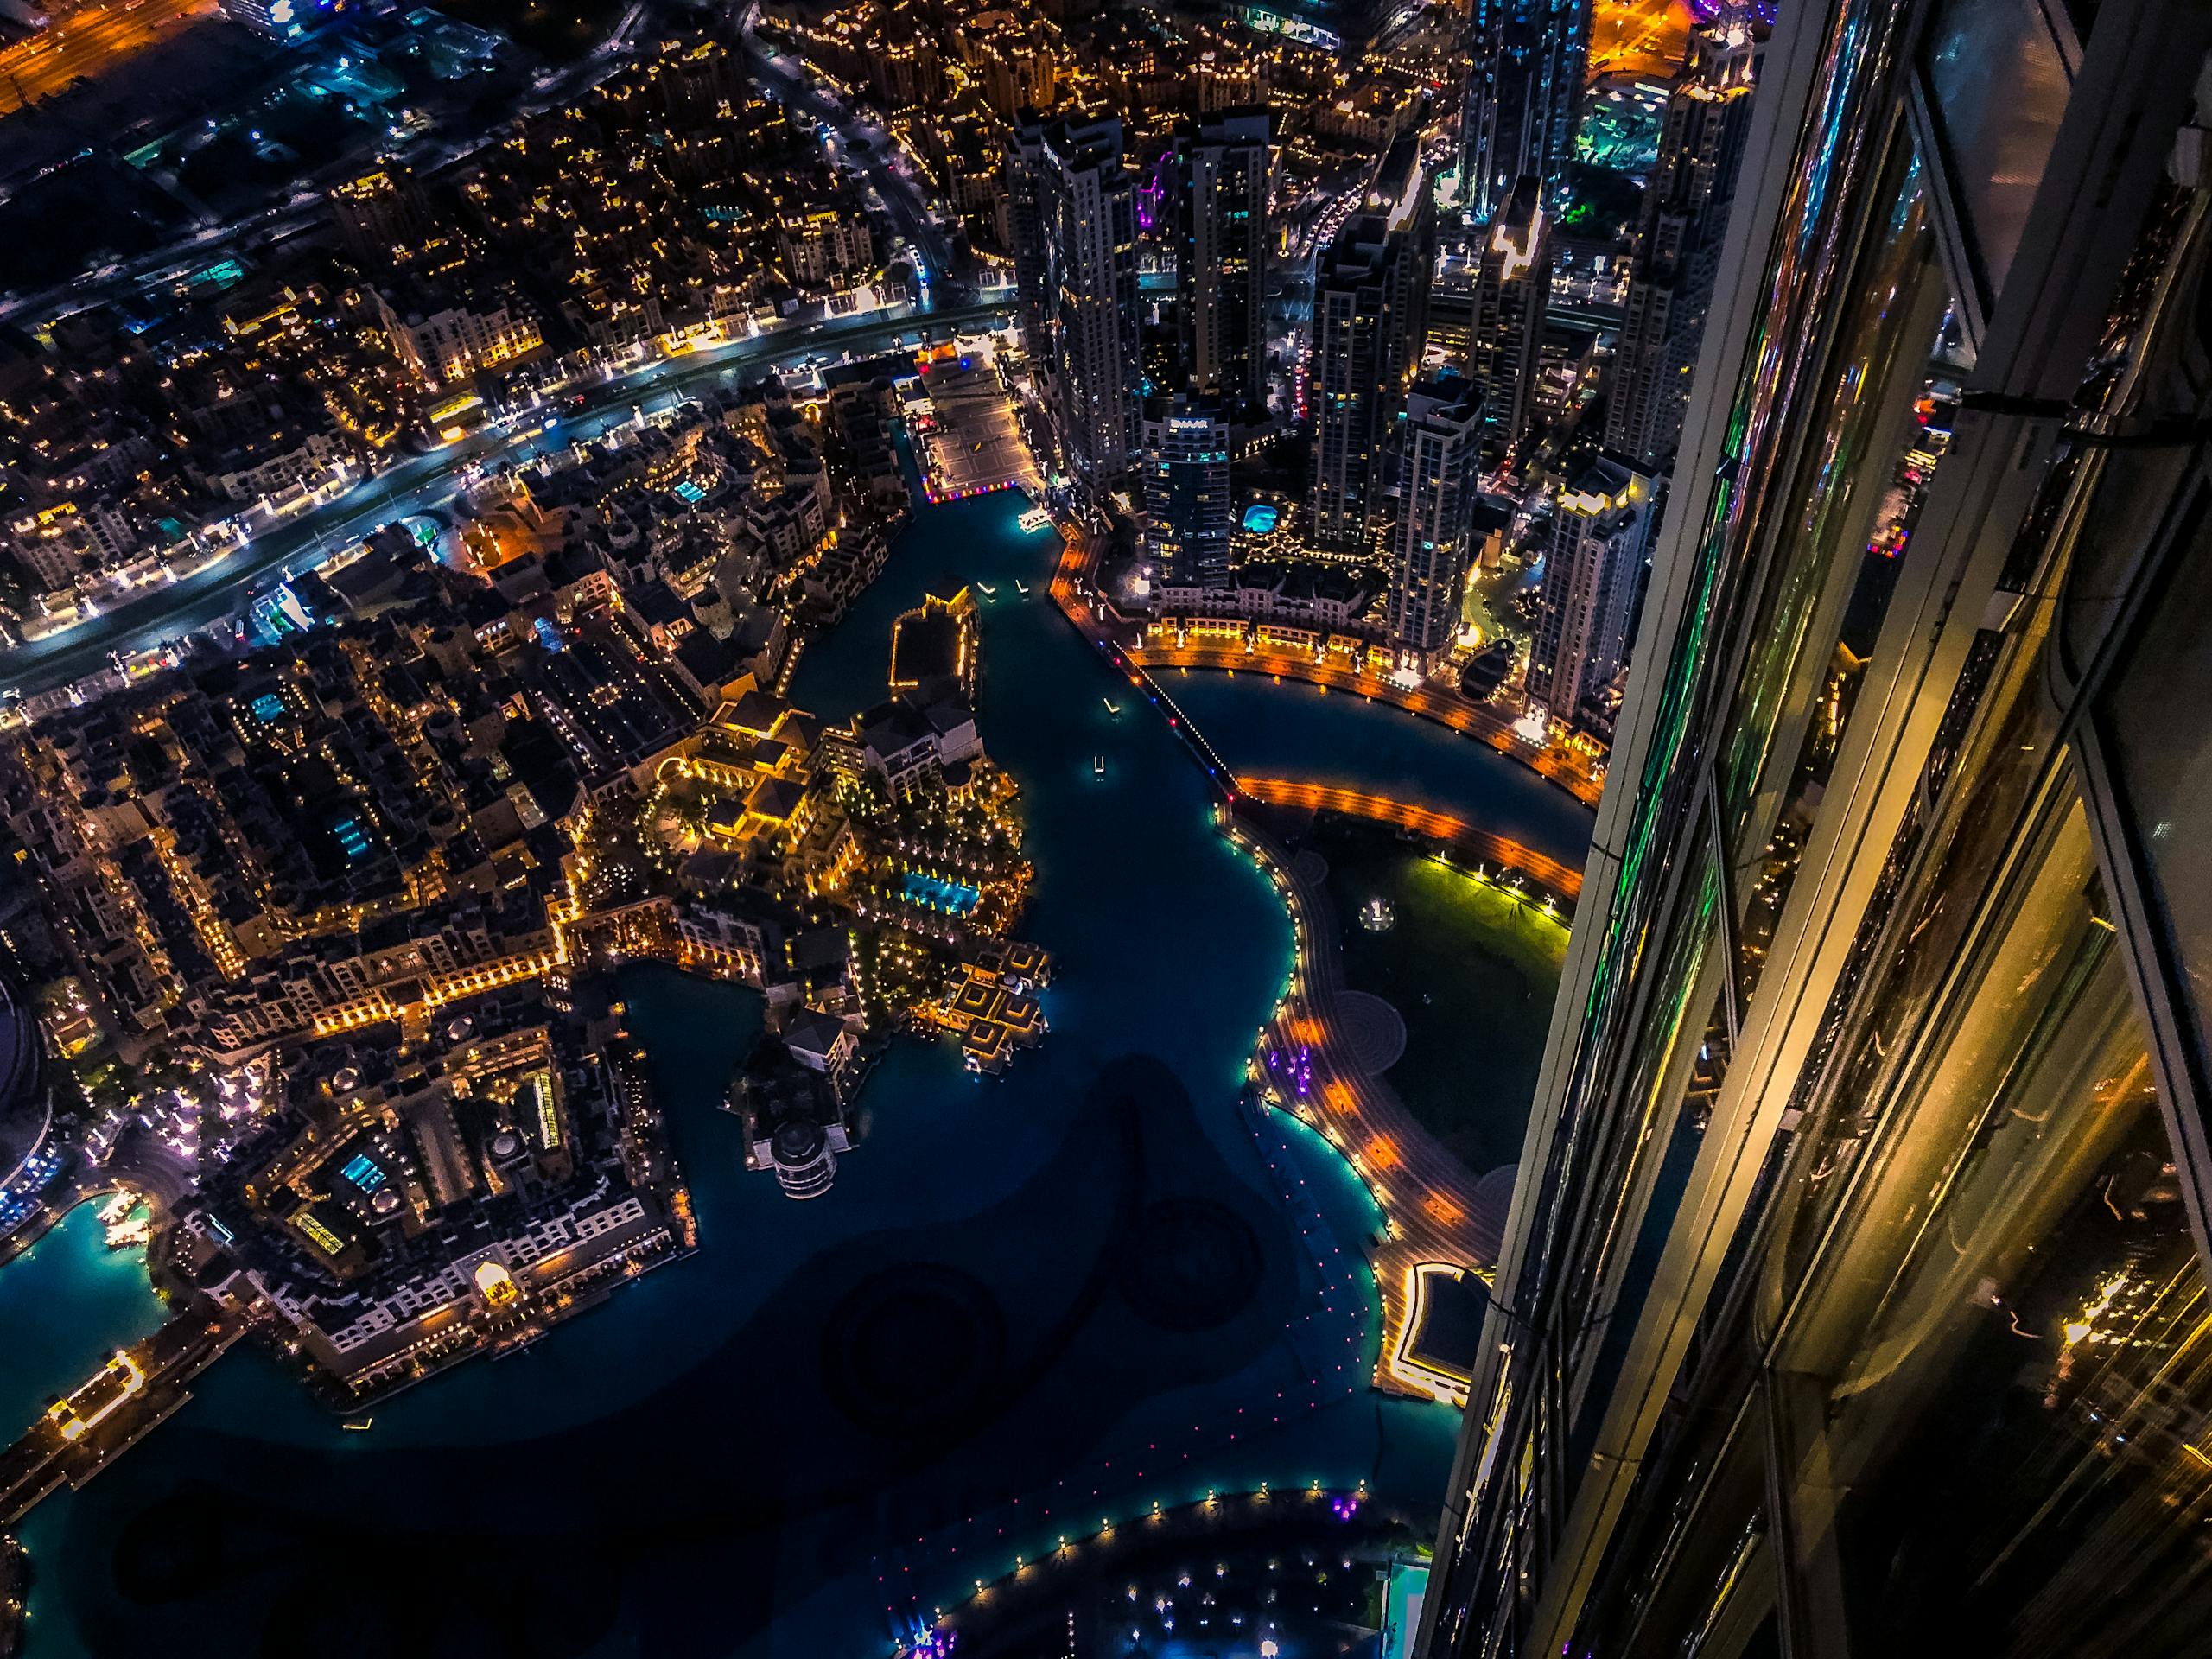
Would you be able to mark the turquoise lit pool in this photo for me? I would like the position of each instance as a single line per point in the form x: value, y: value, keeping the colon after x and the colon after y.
x: 953, y: 897
x: 1260, y: 518
x: 350, y: 838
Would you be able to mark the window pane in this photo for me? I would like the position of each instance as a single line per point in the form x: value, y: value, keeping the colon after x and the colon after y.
x: 2010, y: 1323
x: 1885, y: 429
x: 1654, y: 1086
x: 1998, y: 777
x: 2157, y: 721
x: 1999, y: 89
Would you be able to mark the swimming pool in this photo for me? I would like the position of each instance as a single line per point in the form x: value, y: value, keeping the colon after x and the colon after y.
x: 953, y: 897
x: 1260, y: 518
x: 351, y: 838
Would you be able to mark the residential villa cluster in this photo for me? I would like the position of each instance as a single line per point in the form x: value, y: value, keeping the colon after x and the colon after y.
x: 670, y: 207
x: 460, y: 1189
x: 385, y: 862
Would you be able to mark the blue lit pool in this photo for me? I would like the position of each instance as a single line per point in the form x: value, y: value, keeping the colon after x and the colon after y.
x: 1260, y: 518
x: 351, y: 838
x: 953, y: 897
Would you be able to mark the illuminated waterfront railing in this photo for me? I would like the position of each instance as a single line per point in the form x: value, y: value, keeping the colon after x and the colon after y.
x: 1564, y: 880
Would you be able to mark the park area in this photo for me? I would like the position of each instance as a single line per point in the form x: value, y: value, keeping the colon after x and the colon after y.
x: 1470, y: 969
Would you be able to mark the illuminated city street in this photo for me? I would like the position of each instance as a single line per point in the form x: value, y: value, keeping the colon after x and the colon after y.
x: 86, y: 40
x: 1639, y: 37
x: 414, y: 484
x: 1493, y: 727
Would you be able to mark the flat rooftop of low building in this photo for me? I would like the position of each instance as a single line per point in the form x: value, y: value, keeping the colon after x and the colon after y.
x: 926, y: 645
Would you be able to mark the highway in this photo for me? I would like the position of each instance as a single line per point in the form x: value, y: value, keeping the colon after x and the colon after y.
x: 1639, y: 37
x: 87, y: 41
x: 424, y: 481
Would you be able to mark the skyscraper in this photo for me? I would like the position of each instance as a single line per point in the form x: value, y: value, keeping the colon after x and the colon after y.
x: 1852, y: 1298
x: 1678, y: 241
x: 1076, y: 271
x: 1186, y: 501
x: 1524, y: 93
x: 1221, y: 256
x: 1439, y: 451
x: 1024, y: 166
x: 1513, y: 286
x: 1370, y: 306
x: 1601, y: 526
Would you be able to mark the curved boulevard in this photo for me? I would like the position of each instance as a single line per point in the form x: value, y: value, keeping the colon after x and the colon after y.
x: 422, y: 482
x: 1034, y: 1310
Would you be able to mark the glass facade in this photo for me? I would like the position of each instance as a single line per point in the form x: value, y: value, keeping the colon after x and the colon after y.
x: 1852, y: 1299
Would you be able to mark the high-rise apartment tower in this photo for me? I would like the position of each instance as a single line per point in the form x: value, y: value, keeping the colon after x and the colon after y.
x: 1513, y: 286
x: 1678, y: 241
x: 1370, y: 310
x: 1221, y: 256
x: 1524, y: 94
x: 1186, y: 501
x: 1073, y: 206
x: 1438, y: 446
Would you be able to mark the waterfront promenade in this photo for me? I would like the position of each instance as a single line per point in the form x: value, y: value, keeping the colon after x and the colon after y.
x: 1548, y: 874
x: 1316, y: 1057
x: 117, y: 1407
x: 1567, y: 768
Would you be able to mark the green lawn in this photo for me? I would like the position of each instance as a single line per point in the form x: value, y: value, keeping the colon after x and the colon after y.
x: 1472, y: 972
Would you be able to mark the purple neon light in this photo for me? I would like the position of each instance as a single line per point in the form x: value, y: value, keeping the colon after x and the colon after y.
x: 1152, y: 194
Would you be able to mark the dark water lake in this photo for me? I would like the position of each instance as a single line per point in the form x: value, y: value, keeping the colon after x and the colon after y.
x: 1029, y: 1306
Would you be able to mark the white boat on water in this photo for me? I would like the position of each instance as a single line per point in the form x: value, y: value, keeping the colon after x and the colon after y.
x: 1033, y: 520
x: 1097, y: 766
x: 1021, y: 587
x: 1112, y: 707
x: 987, y: 591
